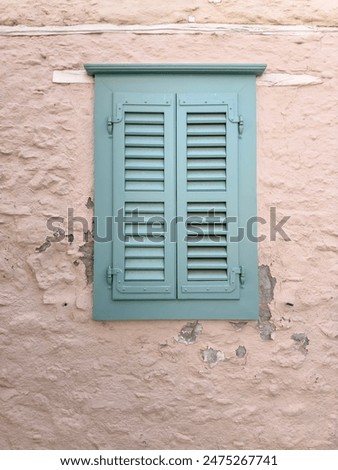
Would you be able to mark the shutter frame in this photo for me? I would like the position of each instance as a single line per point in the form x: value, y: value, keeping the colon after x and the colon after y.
x: 106, y: 84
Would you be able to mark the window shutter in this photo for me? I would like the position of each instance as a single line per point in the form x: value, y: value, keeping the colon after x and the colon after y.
x: 143, y: 265
x: 207, y: 196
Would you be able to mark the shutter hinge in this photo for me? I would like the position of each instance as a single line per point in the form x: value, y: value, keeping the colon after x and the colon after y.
x: 117, y: 117
x: 241, y: 273
x: 239, y: 120
x: 110, y: 273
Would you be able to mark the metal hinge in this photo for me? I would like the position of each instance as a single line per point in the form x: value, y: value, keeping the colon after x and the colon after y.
x: 240, y: 271
x: 117, y: 117
x: 239, y: 120
x: 110, y: 273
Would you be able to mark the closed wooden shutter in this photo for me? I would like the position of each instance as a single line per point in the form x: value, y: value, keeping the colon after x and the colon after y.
x: 207, y: 196
x: 144, y: 184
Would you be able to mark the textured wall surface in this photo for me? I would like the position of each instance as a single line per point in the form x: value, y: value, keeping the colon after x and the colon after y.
x: 69, y: 382
x: 44, y: 12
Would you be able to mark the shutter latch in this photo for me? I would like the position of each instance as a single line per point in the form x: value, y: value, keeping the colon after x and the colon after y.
x: 239, y: 120
x: 241, y: 273
x: 117, y: 117
x: 110, y: 273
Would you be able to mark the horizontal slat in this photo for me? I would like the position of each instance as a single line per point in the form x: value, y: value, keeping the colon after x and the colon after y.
x: 144, y: 152
x: 140, y: 129
x: 200, y: 231
x: 206, y: 152
x: 202, y: 241
x: 205, y: 141
x: 139, y: 241
x: 206, y: 220
x: 140, y: 175
x: 151, y: 275
x: 206, y: 164
x: 207, y: 275
x: 207, y: 252
x: 144, y: 141
x: 197, y: 118
x: 206, y: 175
x: 206, y: 263
x: 149, y: 164
x: 142, y: 229
x: 144, y: 186
x: 145, y: 207
x: 145, y: 219
x: 144, y: 118
x: 206, y: 217
x: 144, y: 263
x: 206, y: 207
x: 144, y: 252
x: 211, y: 129
x: 207, y: 186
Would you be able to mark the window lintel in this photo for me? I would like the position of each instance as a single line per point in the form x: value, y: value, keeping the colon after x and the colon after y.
x: 231, y: 69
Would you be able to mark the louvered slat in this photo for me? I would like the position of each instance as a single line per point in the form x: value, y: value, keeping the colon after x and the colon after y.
x: 144, y: 252
x: 206, y: 151
x: 206, y: 259
x: 144, y: 151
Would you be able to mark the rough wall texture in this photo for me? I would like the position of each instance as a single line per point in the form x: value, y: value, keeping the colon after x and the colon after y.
x: 49, y: 12
x: 69, y: 382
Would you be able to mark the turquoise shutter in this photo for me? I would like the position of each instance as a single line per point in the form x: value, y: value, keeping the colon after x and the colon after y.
x: 207, y: 196
x: 143, y: 265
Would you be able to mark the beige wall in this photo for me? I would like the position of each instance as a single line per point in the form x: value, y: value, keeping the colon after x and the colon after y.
x: 51, y: 12
x: 69, y: 382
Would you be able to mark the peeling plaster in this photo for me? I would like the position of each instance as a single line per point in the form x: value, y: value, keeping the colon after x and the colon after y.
x: 266, y: 287
x: 241, y: 351
x: 301, y: 341
x: 212, y: 356
x: 89, y: 203
x: 87, y: 251
x: 189, y: 333
x: 238, y: 325
x: 58, y: 235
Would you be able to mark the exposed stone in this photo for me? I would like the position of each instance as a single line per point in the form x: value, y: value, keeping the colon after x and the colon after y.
x: 87, y: 251
x: 238, y: 325
x: 58, y: 236
x: 301, y: 340
x: 241, y: 351
x: 266, y: 287
x: 212, y: 356
x: 189, y: 333
x: 89, y: 203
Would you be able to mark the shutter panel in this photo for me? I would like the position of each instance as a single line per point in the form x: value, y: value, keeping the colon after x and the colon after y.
x: 207, y: 196
x: 144, y: 195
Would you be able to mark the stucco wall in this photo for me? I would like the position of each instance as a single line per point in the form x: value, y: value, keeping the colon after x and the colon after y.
x: 69, y: 382
x: 39, y: 12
